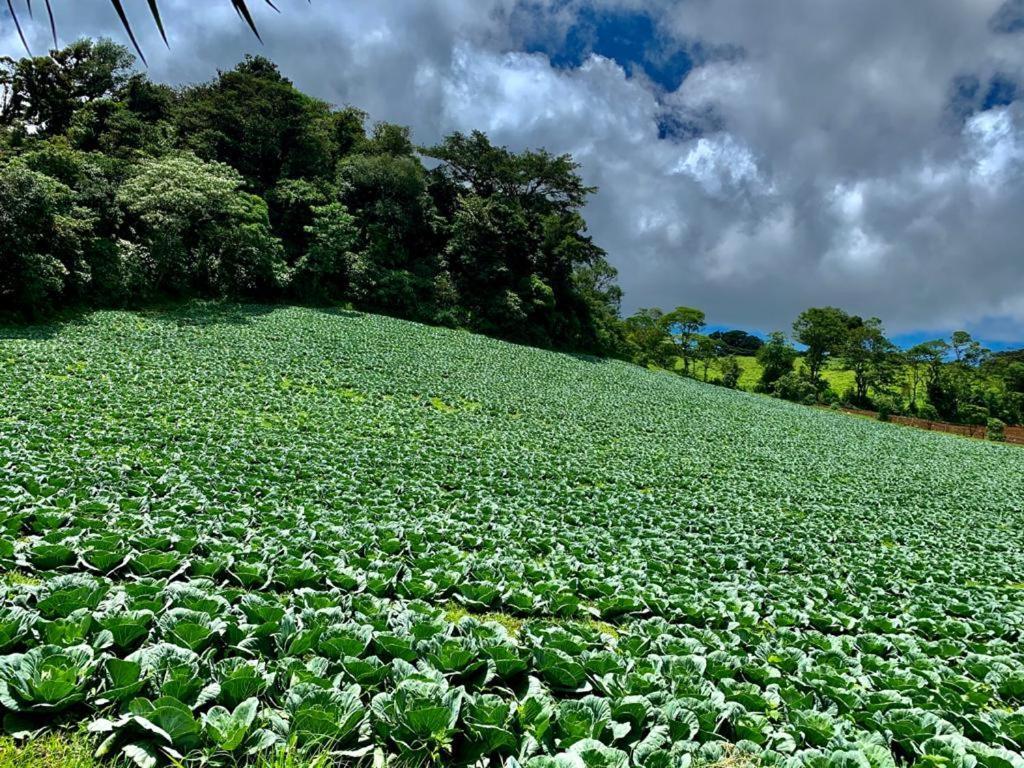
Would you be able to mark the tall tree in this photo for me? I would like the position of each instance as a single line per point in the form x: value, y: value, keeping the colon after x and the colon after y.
x: 256, y: 121
x: 387, y: 194
x: 738, y: 342
x: 647, y: 338
x: 776, y: 358
x: 42, y: 94
x: 685, y: 324
x: 824, y: 331
x: 731, y: 371
x: 871, y: 357
x: 706, y: 351
x: 519, y: 252
x: 204, y: 234
x: 924, y: 362
x: 966, y: 350
x: 536, y: 179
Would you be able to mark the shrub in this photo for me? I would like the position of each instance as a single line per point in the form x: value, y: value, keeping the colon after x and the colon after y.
x: 996, y: 431
x: 928, y: 412
x: 730, y: 372
x: 796, y: 388
x: 829, y: 396
x: 886, y: 405
x: 973, y: 414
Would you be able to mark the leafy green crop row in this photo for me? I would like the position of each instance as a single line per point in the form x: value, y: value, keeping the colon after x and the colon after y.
x: 235, y: 529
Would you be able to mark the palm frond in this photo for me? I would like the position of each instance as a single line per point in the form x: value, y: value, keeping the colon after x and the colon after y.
x: 243, y: 13
x: 241, y: 8
x: 155, y: 10
x: 17, y: 25
x: 128, y: 28
x: 53, y: 22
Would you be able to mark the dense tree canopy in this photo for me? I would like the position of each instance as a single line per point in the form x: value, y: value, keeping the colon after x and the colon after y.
x: 43, y: 94
x: 823, y: 330
x: 245, y: 186
x: 738, y: 342
x: 776, y: 358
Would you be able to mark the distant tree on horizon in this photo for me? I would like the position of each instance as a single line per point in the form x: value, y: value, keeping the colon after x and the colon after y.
x: 739, y: 342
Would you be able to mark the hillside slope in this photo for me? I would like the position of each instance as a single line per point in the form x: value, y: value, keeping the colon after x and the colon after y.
x: 707, y: 566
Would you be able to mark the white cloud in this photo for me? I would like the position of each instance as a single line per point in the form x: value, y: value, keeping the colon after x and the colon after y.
x: 996, y: 147
x: 835, y: 171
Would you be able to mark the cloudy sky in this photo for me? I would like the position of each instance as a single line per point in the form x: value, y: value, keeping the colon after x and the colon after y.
x: 753, y: 158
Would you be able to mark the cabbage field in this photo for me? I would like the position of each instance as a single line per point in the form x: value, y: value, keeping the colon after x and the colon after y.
x: 231, y: 531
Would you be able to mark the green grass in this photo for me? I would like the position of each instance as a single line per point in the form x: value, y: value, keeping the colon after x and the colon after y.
x: 63, y: 750
x: 50, y: 751
x: 838, y: 378
x: 750, y: 372
x: 15, y: 578
x: 512, y: 624
x: 315, y: 501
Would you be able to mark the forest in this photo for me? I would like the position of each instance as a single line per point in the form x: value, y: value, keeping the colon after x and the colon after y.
x: 117, y: 191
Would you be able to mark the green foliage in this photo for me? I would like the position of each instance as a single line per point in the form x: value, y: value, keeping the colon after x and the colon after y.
x: 245, y: 186
x: 996, y: 430
x: 825, y: 332
x: 776, y: 359
x: 796, y: 388
x: 924, y: 362
x: 518, y: 252
x: 292, y: 203
x: 873, y: 359
x: 886, y: 406
x: 203, y: 234
x: 738, y: 342
x: 44, y: 238
x: 253, y: 119
x: 247, y: 544
x: 396, y: 222
x: 684, y: 325
x: 44, y: 93
x: 973, y: 414
x: 330, y: 268
x: 731, y: 372
x: 648, y: 339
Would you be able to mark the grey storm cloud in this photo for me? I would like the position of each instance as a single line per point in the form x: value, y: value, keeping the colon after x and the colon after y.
x: 869, y: 155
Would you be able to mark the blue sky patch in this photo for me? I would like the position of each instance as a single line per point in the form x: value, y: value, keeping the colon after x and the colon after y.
x: 997, y: 343
x: 1001, y: 91
x: 969, y: 95
x: 631, y: 39
x: 1009, y: 18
